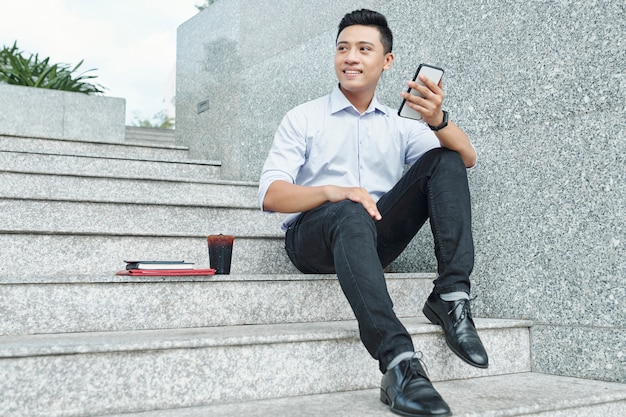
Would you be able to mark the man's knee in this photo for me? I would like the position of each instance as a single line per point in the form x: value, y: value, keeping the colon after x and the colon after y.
x: 451, y: 159
x: 349, y: 214
x: 444, y: 161
x: 447, y: 157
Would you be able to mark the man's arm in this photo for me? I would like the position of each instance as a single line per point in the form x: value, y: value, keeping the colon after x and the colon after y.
x: 284, y: 197
x: 451, y: 137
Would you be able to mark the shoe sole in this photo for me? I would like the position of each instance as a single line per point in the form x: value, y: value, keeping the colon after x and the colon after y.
x: 434, y: 318
x: 385, y: 400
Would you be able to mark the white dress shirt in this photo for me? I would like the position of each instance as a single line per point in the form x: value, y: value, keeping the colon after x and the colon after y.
x: 328, y: 142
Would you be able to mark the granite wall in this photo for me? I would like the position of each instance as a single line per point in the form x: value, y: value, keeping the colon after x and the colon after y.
x: 41, y: 112
x: 540, y: 87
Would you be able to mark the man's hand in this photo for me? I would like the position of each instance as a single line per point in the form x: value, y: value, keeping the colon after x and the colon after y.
x: 356, y: 194
x: 430, y: 105
x: 451, y: 137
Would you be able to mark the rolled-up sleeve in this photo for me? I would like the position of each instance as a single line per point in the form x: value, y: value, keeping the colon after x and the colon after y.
x: 287, y: 154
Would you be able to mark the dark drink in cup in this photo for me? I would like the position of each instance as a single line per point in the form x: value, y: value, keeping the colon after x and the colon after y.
x: 220, y: 252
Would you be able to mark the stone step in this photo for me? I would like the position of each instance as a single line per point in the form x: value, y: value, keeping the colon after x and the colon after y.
x: 523, y: 394
x: 131, y: 219
x: 150, y: 135
x: 96, y: 165
x: 39, y: 257
x: 56, y: 225
x: 28, y: 257
x: 112, y: 303
x: 111, y: 149
x: 105, y: 188
x: 158, y: 369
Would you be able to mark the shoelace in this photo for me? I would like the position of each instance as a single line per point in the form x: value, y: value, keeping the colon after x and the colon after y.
x: 420, y: 359
x: 466, y: 310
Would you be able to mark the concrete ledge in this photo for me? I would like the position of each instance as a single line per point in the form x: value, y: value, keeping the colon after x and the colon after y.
x: 40, y: 112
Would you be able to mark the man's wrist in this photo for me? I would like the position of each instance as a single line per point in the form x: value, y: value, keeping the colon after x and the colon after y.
x: 443, y: 123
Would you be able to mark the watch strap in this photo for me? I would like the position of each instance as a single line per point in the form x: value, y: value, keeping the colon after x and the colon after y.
x: 443, y: 124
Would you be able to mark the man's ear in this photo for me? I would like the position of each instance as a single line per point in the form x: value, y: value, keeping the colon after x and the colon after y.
x: 388, y: 60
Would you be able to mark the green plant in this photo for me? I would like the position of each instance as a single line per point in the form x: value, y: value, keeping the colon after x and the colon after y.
x: 206, y: 4
x: 160, y: 120
x: 31, y: 71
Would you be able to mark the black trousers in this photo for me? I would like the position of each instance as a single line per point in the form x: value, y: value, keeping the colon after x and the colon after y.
x: 342, y: 238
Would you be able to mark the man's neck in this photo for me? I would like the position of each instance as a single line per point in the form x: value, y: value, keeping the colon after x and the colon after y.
x: 360, y: 100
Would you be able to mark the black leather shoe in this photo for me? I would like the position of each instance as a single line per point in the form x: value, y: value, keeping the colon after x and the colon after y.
x: 408, y: 391
x: 455, y: 317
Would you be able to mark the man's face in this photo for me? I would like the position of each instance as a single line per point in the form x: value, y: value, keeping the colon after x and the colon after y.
x: 360, y: 58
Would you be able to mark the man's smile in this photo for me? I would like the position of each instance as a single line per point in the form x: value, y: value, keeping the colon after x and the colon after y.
x: 352, y: 73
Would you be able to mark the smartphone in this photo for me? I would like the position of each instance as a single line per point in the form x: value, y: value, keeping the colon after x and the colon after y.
x: 431, y: 72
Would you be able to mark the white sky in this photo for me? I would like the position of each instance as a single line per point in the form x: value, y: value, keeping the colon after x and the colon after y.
x: 130, y: 43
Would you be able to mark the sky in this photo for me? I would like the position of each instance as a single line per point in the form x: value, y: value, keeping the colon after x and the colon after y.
x: 131, y: 44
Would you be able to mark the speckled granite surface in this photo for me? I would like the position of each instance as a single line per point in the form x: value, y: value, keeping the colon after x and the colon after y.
x: 132, y: 303
x: 61, y: 114
x: 142, y: 370
x: 540, y: 87
x: 527, y: 394
x: 594, y: 352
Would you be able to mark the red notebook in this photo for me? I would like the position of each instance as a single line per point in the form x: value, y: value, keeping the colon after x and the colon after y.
x: 166, y: 272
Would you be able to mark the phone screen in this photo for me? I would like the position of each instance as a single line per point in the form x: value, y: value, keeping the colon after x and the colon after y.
x: 433, y: 73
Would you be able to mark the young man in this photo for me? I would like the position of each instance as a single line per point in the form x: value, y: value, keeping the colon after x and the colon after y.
x: 336, y: 165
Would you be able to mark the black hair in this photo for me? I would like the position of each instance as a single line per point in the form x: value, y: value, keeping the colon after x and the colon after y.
x: 367, y: 17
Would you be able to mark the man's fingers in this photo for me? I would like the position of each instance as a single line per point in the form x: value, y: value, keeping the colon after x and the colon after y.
x: 431, y: 84
x: 373, y: 212
x: 361, y: 196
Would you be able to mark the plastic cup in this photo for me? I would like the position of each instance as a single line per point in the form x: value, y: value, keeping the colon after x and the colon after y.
x: 220, y: 252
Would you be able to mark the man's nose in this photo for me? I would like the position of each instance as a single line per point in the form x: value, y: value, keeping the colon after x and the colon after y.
x: 352, y: 56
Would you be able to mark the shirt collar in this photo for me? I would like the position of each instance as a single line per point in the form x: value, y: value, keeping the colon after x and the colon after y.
x: 339, y: 102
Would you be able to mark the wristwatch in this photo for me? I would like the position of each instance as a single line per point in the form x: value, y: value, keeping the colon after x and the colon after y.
x: 443, y: 124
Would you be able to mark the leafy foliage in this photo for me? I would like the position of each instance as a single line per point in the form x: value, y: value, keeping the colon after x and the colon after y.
x: 31, y: 71
x: 160, y: 120
x: 206, y: 4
